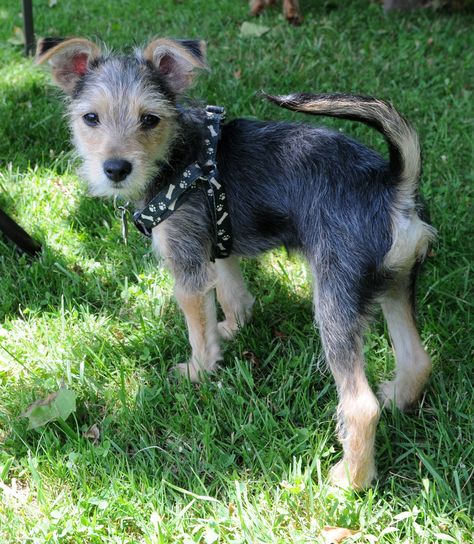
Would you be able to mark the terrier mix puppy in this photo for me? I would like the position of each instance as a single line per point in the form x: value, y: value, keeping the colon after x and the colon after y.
x: 350, y: 213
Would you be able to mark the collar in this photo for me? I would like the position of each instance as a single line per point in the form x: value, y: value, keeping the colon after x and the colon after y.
x: 169, y: 199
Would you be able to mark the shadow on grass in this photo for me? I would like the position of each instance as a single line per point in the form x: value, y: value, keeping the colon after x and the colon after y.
x: 266, y: 406
x: 153, y: 413
x: 92, y: 231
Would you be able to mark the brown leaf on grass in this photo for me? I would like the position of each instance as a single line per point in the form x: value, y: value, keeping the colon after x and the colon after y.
x: 58, y: 183
x: 238, y: 74
x: 118, y: 334
x: 334, y: 535
x: 56, y: 406
x: 279, y: 334
x: 250, y: 356
x: 42, y: 402
x: 93, y: 433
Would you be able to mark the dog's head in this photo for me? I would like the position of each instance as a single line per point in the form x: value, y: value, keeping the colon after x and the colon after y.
x: 122, y: 108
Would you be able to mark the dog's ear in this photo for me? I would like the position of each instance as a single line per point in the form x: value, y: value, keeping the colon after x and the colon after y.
x: 177, y: 60
x: 69, y: 59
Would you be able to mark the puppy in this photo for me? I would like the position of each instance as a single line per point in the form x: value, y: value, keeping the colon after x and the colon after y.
x: 350, y: 213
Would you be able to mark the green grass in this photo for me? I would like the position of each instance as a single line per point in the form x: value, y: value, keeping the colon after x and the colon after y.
x: 243, y: 457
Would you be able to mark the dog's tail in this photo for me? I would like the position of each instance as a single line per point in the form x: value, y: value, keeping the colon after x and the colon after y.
x: 401, y: 137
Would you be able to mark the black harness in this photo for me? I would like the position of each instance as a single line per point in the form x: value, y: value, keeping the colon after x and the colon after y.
x: 171, y: 197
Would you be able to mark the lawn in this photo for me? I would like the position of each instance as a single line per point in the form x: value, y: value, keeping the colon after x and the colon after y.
x: 244, y: 457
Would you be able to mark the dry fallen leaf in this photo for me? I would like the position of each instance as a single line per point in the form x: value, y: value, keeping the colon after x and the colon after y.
x: 279, y: 334
x: 334, y: 535
x: 118, y: 334
x: 93, y: 433
x: 56, y: 406
x: 250, y: 356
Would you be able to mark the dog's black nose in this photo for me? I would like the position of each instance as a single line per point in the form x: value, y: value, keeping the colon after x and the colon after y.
x: 117, y: 169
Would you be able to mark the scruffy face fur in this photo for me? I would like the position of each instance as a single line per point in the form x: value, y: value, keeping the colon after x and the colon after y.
x: 123, y: 93
x: 122, y: 108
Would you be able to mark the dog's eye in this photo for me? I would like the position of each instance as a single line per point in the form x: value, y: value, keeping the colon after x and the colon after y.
x: 91, y: 119
x: 148, y: 120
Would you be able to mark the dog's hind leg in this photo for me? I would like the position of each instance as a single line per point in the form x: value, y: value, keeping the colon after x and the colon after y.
x: 233, y: 296
x: 413, y: 363
x: 200, y: 312
x: 341, y: 328
x: 291, y: 11
x: 257, y: 6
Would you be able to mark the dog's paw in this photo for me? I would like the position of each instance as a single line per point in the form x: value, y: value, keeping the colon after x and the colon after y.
x: 193, y: 371
x: 189, y: 370
x: 401, y: 395
x: 340, y: 476
x: 227, y: 331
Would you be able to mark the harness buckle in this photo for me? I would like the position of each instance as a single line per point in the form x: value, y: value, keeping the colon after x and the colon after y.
x: 219, y: 110
x: 140, y: 226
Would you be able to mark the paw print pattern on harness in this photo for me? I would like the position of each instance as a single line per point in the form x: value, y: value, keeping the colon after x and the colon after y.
x: 170, y: 198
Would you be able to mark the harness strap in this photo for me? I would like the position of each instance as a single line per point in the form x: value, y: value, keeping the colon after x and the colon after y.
x: 171, y: 197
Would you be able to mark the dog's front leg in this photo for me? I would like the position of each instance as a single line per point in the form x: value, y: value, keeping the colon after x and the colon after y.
x: 200, y: 312
x: 233, y: 296
x: 195, y: 280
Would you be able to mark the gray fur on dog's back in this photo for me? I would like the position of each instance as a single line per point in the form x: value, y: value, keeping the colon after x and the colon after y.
x: 310, y: 189
x: 286, y: 183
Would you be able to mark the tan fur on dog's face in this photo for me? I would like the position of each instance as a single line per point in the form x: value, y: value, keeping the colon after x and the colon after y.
x: 120, y: 93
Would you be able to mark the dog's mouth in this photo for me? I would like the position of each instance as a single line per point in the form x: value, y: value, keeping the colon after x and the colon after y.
x: 130, y: 188
x: 121, y: 188
x: 118, y: 185
x: 100, y: 186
